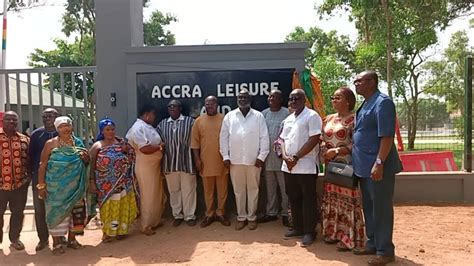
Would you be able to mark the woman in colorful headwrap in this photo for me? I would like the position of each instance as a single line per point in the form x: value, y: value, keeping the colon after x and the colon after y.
x: 149, y: 149
x: 112, y: 178
x: 62, y: 176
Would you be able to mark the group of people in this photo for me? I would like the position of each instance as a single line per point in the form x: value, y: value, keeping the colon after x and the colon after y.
x: 288, y: 144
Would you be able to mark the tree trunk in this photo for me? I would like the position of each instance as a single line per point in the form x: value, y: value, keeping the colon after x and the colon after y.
x: 409, y: 124
x: 388, y: 18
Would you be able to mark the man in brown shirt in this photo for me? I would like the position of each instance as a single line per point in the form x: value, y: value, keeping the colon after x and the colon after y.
x: 14, y: 176
x: 209, y: 163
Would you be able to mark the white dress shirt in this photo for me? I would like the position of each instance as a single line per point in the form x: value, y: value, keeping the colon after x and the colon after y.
x: 296, y: 132
x: 244, y: 139
x: 142, y: 134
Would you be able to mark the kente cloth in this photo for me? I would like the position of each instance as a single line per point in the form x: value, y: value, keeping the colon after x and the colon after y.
x: 66, y: 180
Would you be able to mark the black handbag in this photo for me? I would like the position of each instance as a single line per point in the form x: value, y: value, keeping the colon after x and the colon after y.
x: 340, y: 174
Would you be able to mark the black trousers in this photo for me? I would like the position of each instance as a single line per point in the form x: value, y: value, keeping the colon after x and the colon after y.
x: 16, y: 200
x: 301, y: 191
x: 40, y: 217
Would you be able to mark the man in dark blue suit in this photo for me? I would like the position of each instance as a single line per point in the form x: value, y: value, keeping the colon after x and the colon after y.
x: 375, y: 160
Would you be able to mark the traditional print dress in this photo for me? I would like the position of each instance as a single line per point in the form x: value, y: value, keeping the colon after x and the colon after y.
x: 342, y: 218
x: 115, y: 182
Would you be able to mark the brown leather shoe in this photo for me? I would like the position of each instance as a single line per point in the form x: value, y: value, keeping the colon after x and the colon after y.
x: 240, y: 225
x: 366, y: 251
x: 381, y: 260
x: 208, y: 220
x: 252, y: 225
x: 223, y: 219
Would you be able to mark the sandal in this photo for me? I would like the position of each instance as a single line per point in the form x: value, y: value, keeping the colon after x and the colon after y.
x: 341, y: 247
x: 330, y: 241
x: 74, y: 244
x: 148, y: 231
x: 58, y: 250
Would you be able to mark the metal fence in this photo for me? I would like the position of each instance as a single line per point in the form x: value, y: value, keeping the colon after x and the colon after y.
x: 439, y: 130
x: 70, y: 90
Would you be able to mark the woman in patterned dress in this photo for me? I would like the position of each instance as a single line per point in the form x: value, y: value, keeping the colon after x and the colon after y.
x: 113, y: 180
x: 342, y: 218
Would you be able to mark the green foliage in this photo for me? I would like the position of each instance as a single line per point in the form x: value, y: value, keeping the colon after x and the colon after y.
x: 333, y: 75
x: 447, y: 74
x: 79, y: 19
x: 329, y: 56
x: 433, y: 113
x: 67, y: 55
x: 394, y: 36
x: 153, y: 29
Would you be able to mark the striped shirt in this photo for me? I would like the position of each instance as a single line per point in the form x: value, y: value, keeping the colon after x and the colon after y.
x: 176, y: 135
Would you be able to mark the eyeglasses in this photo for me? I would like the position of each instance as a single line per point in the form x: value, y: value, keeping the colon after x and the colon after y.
x: 172, y: 106
x: 294, y: 98
x: 360, y: 80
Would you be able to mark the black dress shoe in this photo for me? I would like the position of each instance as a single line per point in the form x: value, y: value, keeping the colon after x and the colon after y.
x: 223, y: 219
x: 308, y: 239
x: 41, y: 245
x: 208, y: 220
x: 177, y: 222
x: 267, y: 218
x: 365, y: 251
x: 191, y: 222
x: 17, y: 244
x: 291, y: 234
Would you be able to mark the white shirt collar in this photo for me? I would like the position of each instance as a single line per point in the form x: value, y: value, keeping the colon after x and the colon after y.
x: 248, y: 114
x: 181, y: 117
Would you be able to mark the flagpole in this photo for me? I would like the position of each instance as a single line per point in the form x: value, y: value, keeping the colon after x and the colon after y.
x: 4, y: 56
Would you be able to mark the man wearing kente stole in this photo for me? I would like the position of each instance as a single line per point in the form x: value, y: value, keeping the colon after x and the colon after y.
x: 62, y: 182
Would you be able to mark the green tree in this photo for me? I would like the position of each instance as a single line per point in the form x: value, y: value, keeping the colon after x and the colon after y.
x: 393, y: 39
x: 154, y: 32
x: 433, y: 114
x: 79, y: 20
x: 446, y: 75
x: 329, y: 56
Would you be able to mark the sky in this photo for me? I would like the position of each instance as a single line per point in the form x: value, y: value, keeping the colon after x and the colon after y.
x: 202, y: 21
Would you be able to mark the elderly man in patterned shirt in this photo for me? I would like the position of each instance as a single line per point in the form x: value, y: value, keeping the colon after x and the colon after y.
x: 15, y: 176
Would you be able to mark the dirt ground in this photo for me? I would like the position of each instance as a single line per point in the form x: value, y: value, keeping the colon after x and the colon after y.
x: 424, y: 235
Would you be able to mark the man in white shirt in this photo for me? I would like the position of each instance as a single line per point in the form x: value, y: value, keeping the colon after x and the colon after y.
x: 244, y: 145
x: 301, y: 132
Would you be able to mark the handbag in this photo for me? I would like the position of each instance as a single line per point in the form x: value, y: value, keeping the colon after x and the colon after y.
x: 340, y: 174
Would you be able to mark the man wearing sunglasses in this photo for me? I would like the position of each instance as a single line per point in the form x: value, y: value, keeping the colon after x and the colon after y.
x: 178, y: 164
x: 301, y: 132
x: 375, y: 161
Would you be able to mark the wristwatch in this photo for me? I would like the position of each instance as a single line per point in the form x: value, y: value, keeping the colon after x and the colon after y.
x: 295, y: 157
x: 379, y: 161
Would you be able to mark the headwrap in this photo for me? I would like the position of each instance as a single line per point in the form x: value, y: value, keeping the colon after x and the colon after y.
x: 62, y: 120
x: 102, y: 124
